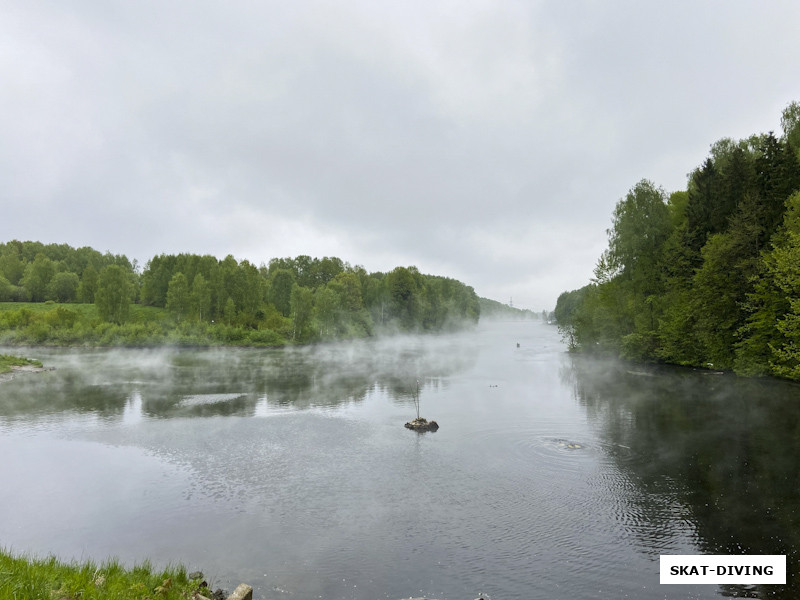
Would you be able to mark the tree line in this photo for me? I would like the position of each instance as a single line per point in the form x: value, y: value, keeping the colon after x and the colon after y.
x: 301, y: 299
x: 492, y: 309
x: 708, y: 276
x: 36, y: 272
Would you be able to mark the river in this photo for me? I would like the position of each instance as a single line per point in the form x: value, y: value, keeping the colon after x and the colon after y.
x: 551, y: 476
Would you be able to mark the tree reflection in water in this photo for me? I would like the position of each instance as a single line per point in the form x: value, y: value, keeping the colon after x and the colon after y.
x: 724, y: 450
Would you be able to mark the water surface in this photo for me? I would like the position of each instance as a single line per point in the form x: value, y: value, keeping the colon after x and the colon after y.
x: 551, y: 476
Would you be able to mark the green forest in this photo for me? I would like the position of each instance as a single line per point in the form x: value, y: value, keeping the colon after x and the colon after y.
x: 708, y: 276
x: 59, y: 295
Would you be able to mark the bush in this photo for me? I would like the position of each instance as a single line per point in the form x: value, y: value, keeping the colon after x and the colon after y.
x: 60, y: 317
x: 265, y: 337
x: 37, y: 332
x: 638, y: 346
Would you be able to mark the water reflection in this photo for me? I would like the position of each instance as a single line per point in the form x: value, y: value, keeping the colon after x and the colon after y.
x: 133, y: 414
x: 716, y: 452
x: 134, y: 384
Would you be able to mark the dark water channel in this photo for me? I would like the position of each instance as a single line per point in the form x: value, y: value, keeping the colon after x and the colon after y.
x: 551, y: 476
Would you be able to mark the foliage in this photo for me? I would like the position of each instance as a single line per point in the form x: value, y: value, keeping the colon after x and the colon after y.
x: 567, y: 317
x: 88, y: 285
x: 178, y: 296
x: 37, y: 277
x: 641, y: 224
x: 301, y: 302
x: 63, y: 287
x: 113, y: 295
x: 200, y: 297
x: 783, y: 269
x: 189, y: 299
x: 709, y: 277
x: 280, y: 290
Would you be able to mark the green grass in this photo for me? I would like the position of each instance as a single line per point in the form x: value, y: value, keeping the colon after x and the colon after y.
x: 139, y: 314
x: 23, y: 578
x: 7, y: 361
x: 53, y: 324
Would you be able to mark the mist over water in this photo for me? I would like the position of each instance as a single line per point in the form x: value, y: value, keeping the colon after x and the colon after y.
x: 552, y: 476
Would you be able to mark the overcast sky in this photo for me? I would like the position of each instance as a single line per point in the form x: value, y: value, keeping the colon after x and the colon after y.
x: 482, y: 140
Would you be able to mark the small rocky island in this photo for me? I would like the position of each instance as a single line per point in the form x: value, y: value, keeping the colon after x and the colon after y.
x: 11, y: 365
x: 422, y: 424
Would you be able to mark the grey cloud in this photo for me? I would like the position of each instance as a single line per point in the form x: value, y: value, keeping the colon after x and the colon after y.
x: 478, y: 140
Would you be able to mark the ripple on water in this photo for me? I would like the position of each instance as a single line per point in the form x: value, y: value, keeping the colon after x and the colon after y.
x: 535, y: 502
x: 538, y: 446
x: 562, y: 497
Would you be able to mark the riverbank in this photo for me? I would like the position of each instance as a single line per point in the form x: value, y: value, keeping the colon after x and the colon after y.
x: 38, y: 324
x: 80, y: 325
x: 25, y: 578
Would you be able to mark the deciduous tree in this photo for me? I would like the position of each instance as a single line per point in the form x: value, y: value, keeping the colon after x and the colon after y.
x: 63, y: 287
x: 301, y: 305
x: 201, y: 297
x: 178, y: 296
x: 113, y: 295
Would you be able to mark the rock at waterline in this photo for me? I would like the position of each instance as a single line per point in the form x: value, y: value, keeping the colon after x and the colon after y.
x: 421, y: 424
x: 242, y: 592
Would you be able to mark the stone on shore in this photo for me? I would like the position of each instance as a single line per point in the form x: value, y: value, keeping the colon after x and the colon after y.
x: 242, y: 592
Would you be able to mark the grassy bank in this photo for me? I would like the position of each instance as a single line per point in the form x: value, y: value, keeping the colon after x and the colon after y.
x: 53, y: 324
x: 7, y: 361
x: 51, y: 579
